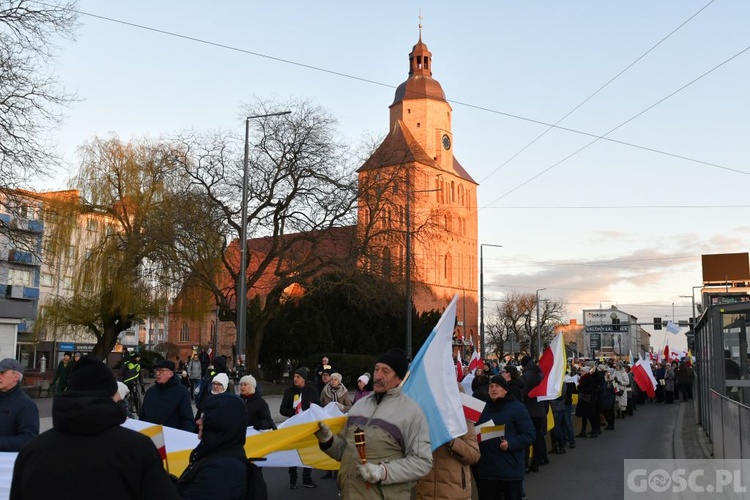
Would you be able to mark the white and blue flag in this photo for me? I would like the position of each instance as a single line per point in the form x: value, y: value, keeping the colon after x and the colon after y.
x: 432, y: 382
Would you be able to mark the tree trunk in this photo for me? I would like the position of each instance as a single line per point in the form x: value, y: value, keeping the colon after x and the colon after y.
x: 107, y: 341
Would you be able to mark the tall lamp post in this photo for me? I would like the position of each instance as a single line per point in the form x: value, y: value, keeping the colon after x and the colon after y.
x: 409, y: 193
x: 692, y: 311
x: 242, y: 280
x: 481, y: 296
x: 538, y: 330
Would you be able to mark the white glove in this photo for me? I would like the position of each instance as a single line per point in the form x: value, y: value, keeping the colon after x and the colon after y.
x: 372, y: 473
x: 323, y: 433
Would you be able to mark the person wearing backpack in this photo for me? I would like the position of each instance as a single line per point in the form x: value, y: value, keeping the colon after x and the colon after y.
x: 218, y: 466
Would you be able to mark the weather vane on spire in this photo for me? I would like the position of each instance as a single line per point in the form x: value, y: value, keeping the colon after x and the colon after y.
x: 420, y: 24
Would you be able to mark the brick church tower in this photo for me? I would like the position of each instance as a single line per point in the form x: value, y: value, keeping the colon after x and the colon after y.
x: 416, y: 160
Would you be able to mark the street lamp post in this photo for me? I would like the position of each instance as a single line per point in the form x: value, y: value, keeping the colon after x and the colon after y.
x: 538, y: 330
x: 409, y: 193
x: 481, y: 296
x: 242, y: 280
x: 692, y: 311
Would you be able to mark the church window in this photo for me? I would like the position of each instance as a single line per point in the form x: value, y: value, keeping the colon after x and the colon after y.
x: 461, y: 194
x: 185, y: 332
x: 419, y: 124
x: 388, y: 219
x: 453, y: 192
x: 419, y: 62
x: 387, y: 265
x: 447, y: 268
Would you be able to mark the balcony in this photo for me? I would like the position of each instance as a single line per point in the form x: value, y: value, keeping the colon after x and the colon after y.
x: 21, y: 257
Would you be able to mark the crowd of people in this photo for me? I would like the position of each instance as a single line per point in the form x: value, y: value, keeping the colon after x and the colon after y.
x: 384, y: 448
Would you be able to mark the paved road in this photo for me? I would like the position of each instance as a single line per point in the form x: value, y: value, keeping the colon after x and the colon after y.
x: 593, y: 469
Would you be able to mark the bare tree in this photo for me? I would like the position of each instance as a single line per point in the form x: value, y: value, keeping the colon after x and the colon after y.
x: 514, y: 319
x: 29, y: 94
x: 300, y: 219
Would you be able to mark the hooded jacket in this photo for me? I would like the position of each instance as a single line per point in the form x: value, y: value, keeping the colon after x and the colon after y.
x: 87, y: 446
x: 218, y: 465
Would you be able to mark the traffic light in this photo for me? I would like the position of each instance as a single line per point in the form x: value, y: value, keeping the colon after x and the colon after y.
x: 657, y: 323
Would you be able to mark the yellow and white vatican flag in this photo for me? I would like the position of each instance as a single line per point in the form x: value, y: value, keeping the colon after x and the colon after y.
x: 293, y: 444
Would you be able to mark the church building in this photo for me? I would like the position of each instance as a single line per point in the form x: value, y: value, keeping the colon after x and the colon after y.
x: 412, y: 193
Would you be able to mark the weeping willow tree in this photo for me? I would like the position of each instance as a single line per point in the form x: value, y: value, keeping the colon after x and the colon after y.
x: 107, y: 236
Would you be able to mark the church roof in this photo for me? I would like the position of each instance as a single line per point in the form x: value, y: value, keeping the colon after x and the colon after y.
x: 420, y: 83
x: 398, y: 147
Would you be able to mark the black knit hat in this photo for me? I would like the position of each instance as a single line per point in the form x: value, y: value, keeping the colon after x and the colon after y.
x: 500, y: 380
x: 302, y: 372
x: 525, y: 361
x: 90, y: 374
x: 396, y: 359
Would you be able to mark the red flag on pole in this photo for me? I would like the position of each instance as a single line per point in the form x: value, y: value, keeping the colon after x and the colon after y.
x: 459, y: 370
x: 474, y: 362
x: 666, y: 353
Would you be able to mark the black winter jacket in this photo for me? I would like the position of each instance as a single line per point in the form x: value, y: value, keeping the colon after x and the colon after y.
x: 19, y: 419
x: 88, y: 447
x: 309, y: 396
x: 168, y: 404
x: 218, y: 465
x: 258, y: 413
x: 532, y: 376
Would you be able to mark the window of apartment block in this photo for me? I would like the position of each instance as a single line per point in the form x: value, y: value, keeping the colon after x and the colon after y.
x: 46, y: 279
x: 67, y: 282
x: 20, y: 277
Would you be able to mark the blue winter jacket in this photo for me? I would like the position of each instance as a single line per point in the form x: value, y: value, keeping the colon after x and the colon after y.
x: 498, y: 465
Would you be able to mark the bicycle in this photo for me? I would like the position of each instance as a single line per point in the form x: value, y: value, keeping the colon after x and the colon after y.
x: 135, y: 399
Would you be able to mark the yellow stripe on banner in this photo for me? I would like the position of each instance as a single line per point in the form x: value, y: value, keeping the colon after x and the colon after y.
x: 299, y: 437
x: 152, y: 431
x: 550, y: 419
x: 178, y: 461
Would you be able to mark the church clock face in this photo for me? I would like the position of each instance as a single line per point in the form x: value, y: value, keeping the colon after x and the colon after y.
x: 446, y: 142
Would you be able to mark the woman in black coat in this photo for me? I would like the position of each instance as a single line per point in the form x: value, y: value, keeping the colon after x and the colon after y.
x: 218, y: 465
x: 258, y: 413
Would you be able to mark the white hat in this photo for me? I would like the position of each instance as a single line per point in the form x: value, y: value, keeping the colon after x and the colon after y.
x: 222, y: 379
x: 249, y: 379
x: 364, y: 378
x: 123, y: 390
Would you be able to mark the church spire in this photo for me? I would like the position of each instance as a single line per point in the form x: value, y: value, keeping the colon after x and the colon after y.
x: 420, y: 59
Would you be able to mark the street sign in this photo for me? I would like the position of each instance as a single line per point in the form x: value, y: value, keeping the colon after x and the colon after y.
x: 595, y: 342
x: 67, y: 346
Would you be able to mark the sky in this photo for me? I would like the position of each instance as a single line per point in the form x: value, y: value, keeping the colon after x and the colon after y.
x: 596, y: 223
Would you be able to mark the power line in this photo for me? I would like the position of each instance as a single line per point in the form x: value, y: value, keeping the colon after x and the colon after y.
x: 381, y: 84
x: 597, y: 138
x: 595, y: 93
